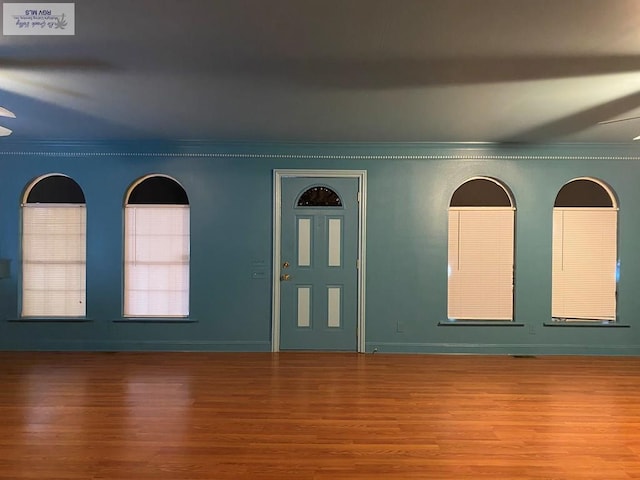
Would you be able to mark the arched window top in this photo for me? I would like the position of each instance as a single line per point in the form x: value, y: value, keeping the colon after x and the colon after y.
x: 481, y: 192
x: 319, y: 196
x: 54, y: 188
x: 585, y: 192
x: 157, y: 190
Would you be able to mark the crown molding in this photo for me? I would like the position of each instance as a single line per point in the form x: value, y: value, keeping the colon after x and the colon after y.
x: 320, y: 151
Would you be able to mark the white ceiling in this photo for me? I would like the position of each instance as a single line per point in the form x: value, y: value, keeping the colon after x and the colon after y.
x: 540, y: 71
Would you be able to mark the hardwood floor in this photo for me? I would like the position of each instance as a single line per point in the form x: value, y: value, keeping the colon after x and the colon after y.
x: 140, y: 416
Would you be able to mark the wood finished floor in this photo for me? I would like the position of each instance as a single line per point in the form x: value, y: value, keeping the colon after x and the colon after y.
x: 140, y: 416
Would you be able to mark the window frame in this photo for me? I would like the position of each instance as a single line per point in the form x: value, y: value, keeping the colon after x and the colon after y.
x: 55, y: 259
x: 129, y: 313
x: 565, y: 289
x: 459, y: 303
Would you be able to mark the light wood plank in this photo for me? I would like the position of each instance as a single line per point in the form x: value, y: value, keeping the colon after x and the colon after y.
x: 317, y: 416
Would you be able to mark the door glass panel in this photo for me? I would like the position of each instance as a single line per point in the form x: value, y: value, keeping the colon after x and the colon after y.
x: 304, y: 242
x: 333, y: 306
x: 335, y: 241
x: 304, y: 307
x: 319, y: 197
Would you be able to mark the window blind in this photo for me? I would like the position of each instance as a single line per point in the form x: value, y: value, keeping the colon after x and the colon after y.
x: 53, y: 260
x: 156, y: 248
x: 481, y: 263
x: 584, y: 263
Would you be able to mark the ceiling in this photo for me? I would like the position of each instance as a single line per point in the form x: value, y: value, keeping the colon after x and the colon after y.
x: 534, y: 71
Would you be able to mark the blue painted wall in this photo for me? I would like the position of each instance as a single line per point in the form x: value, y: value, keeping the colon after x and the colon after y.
x: 230, y: 193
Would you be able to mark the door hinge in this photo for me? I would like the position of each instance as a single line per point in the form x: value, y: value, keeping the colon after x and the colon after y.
x: 357, y: 263
x: 359, y: 197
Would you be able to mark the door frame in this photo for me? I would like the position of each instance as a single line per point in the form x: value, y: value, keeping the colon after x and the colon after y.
x: 278, y: 175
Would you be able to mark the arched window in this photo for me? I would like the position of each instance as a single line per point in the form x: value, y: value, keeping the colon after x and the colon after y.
x: 585, y: 218
x: 156, y: 249
x: 53, y: 248
x: 481, y: 236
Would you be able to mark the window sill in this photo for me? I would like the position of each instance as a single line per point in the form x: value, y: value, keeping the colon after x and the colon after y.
x: 50, y: 319
x: 587, y: 324
x: 480, y: 323
x: 155, y: 320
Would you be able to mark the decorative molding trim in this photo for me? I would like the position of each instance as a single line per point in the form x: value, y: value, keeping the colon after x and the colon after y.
x: 263, y: 149
x: 309, y: 156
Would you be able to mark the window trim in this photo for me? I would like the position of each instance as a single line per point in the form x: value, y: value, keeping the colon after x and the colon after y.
x: 154, y: 317
x: 482, y: 319
x: 596, y: 322
x: 25, y: 204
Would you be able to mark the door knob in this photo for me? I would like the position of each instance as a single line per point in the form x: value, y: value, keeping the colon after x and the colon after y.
x: 285, y: 277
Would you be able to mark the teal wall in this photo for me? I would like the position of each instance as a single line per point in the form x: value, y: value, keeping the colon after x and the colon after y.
x: 230, y: 193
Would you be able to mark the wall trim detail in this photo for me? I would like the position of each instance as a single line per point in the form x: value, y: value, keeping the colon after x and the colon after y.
x: 501, y: 349
x: 139, y: 345
x: 308, y: 156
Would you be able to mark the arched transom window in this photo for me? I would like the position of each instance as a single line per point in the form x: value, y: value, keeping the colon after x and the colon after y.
x: 319, y: 196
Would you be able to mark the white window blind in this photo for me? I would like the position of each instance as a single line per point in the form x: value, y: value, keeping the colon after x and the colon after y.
x: 481, y: 263
x: 156, y: 248
x: 53, y: 260
x: 584, y: 263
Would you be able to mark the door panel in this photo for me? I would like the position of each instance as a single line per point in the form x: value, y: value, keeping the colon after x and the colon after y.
x: 318, y: 281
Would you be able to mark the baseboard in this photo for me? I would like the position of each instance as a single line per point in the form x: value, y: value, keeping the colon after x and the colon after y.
x: 128, y: 346
x: 502, y: 349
